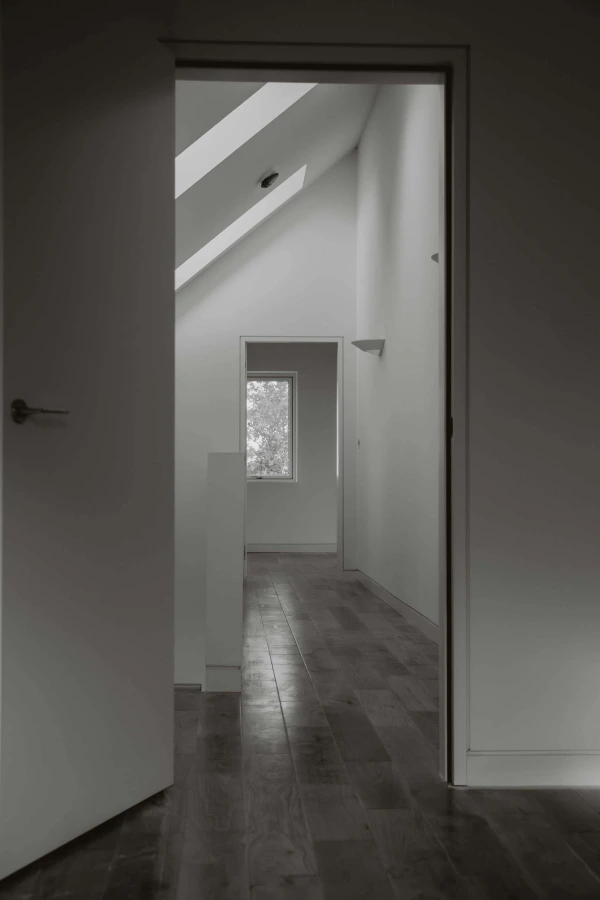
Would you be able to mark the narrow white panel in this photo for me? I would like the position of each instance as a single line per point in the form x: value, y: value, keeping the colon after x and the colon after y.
x: 233, y: 131
x: 225, y: 501
x: 223, y: 679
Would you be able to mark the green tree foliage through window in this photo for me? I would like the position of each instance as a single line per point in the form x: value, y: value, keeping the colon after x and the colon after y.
x: 268, y: 410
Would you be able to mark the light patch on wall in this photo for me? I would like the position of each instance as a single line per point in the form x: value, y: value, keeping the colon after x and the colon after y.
x: 241, y: 227
x: 228, y: 135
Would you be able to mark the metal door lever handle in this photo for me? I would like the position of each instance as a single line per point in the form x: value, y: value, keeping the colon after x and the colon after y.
x: 20, y: 411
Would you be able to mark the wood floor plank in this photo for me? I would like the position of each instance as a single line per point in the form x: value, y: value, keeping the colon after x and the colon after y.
x: 290, y: 887
x: 21, y: 886
x: 303, y: 711
x: 145, y: 848
x: 412, y: 693
x: 320, y: 781
x: 383, y: 707
x: 186, y: 731
x: 415, y: 862
x: 348, y: 619
x: 384, y: 663
x: 546, y: 856
x: 568, y: 811
x: 428, y: 724
x: 269, y: 768
x: 475, y: 849
x: 591, y: 796
x: 187, y: 698
x: 279, y: 842
x: 587, y: 848
x: 410, y: 751
x: 316, y: 756
x: 352, y: 870
x: 379, y: 785
x: 334, y: 812
x: 213, y: 839
x: 219, y: 753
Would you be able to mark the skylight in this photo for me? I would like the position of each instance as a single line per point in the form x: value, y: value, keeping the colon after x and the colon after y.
x: 228, y: 135
x: 238, y: 229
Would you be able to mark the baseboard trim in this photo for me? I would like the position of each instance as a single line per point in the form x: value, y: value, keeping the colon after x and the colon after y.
x: 425, y: 625
x: 223, y: 679
x: 533, y: 769
x: 291, y: 548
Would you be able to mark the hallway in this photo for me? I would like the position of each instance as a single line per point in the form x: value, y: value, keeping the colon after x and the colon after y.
x: 327, y: 787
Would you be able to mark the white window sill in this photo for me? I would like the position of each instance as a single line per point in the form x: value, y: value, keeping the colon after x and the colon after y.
x: 272, y: 480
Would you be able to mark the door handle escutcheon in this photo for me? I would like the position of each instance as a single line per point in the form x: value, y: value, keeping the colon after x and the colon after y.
x: 20, y: 412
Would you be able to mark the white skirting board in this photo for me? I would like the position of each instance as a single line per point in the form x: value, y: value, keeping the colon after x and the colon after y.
x: 227, y: 679
x: 291, y: 548
x: 429, y: 628
x: 518, y: 769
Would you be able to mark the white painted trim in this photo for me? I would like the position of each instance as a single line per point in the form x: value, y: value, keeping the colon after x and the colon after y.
x: 223, y: 679
x: 291, y: 548
x: 533, y: 769
x: 391, y: 64
x: 429, y: 628
x: 456, y: 630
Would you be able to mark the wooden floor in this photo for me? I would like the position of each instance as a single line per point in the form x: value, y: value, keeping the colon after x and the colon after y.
x: 321, y: 783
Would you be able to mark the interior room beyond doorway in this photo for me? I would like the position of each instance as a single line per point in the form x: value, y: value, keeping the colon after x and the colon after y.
x: 291, y: 447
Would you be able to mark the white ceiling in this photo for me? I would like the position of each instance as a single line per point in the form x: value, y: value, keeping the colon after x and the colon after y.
x: 317, y: 131
x: 200, y: 105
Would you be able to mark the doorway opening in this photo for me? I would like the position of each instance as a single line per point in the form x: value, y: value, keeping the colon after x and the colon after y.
x: 330, y: 239
x: 290, y: 431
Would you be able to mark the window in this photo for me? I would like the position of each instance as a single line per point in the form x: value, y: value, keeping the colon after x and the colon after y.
x: 270, y: 426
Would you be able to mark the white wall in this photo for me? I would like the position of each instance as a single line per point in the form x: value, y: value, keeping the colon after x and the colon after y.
x: 294, y: 276
x: 225, y: 505
x: 534, y: 569
x: 302, y: 511
x: 534, y: 186
x: 401, y: 395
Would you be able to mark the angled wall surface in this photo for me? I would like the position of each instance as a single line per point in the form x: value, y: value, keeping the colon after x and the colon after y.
x: 400, y: 410
x: 293, y: 276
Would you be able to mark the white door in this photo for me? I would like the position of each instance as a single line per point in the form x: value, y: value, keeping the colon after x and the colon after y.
x: 87, y: 591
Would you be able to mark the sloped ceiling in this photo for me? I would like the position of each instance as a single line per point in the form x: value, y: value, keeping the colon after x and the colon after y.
x: 317, y: 131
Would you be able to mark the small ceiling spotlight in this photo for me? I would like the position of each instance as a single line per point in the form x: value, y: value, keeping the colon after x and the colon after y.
x: 269, y: 180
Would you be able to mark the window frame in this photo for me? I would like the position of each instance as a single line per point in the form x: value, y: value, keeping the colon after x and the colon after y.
x: 292, y: 378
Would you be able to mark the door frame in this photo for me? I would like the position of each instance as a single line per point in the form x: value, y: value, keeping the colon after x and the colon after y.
x: 402, y: 64
x: 302, y: 339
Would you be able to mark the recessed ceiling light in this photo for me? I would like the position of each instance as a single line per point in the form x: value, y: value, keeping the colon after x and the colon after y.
x: 238, y: 229
x: 228, y: 135
x: 269, y: 180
